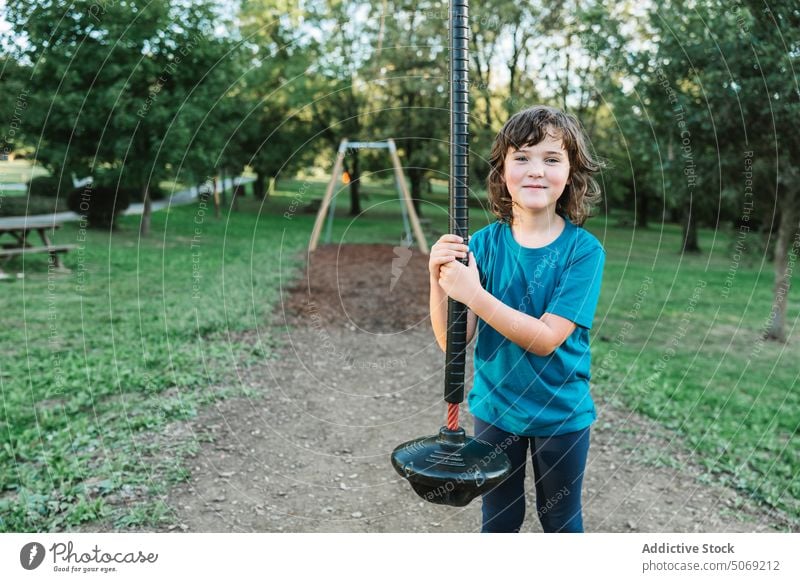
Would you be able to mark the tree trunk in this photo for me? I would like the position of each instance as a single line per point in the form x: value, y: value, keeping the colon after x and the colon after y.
x: 689, y: 221
x: 512, y: 65
x: 415, y: 176
x: 222, y: 187
x: 787, y: 249
x: 144, y: 225
x: 483, y: 78
x: 355, y: 185
x: 565, y: 86
x: 217, y: 203
x: 259, y: 186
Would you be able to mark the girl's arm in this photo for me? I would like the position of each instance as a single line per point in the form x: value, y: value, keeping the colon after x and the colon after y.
x: 540, y: 336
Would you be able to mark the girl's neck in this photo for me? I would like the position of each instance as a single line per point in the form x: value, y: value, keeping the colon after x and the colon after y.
x: 537, y: 224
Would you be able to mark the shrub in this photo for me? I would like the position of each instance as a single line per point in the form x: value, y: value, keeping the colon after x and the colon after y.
x: 31, y: 205
x: 99, y: 204
x: 49, y: 186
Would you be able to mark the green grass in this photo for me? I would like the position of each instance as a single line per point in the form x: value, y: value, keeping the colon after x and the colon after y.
x: 96, y: 363
x: 687, y: 353
x: 135, y: 337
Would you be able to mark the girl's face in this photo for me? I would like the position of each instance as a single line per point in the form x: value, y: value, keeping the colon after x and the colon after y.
x: 536, y: 176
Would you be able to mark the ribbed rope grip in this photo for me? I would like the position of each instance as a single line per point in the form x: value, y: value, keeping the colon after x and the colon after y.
x: 455, y: 362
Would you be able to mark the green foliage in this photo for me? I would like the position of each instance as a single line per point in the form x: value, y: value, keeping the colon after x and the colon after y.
x: 32, y: 205
x: 412, y: 100
x: 273, y: 125
x: 13, y: 106
x: 125, y: 84
x: 50, y: 186
x: 118, y: 179
x: 100, y: 205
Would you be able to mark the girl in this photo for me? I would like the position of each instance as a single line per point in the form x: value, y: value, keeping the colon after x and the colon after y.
x: 531, y: 288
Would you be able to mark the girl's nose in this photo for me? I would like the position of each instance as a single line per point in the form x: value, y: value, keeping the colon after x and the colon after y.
x: 535, y: 170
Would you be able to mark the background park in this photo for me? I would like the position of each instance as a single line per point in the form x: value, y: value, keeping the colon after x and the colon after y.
x: 183, y: 363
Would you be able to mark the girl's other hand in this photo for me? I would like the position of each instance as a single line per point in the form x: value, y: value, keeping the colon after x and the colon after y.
x: 448, y: 248
x: 461, y: 282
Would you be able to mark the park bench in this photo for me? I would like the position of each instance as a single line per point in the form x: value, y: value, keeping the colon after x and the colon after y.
x: 19, y: 244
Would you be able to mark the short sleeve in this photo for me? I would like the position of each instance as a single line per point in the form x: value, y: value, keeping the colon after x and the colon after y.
x: 578, y: 290
x: 477, y: 246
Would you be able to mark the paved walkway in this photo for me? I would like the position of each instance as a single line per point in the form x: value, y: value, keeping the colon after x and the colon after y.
x: 177, y: 199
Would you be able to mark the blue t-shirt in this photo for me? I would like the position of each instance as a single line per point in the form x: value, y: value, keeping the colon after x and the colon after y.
x: 515, y: 389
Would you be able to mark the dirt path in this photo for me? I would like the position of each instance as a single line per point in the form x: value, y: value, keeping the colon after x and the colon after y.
x: 360, y: 373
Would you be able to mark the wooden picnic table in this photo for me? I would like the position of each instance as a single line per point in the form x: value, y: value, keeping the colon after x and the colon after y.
x: 16, y: 241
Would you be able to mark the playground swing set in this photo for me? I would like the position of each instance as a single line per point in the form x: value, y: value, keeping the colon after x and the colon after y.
x: 329, y: 201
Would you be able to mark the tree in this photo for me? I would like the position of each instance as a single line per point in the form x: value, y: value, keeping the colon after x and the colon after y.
x: 732, y: 71
x: 121, y: 85
x: 274, y: 125
x: 13, y: 108
x: 341, y: 52
x: 506, y: 33
x: 769, y: 92
x: 411, y: 98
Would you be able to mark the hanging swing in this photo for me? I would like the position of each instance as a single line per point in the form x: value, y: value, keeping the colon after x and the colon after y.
x: 451, y: 468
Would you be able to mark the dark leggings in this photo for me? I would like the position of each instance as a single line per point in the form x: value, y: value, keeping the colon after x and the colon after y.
x: 558, y: 466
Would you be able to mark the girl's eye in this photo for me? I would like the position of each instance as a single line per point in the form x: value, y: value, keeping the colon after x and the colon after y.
x: 521, y: 159
x: 556, y: 160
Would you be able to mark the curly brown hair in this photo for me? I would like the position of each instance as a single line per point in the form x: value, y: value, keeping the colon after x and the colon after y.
x: 529, y: 127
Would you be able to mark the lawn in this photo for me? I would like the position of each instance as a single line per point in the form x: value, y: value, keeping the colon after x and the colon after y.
x: 677, y: 342
x: 146, y: 331
x: 137, y: 336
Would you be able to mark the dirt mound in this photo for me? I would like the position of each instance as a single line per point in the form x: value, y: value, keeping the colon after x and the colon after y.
x: 374, y: 288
